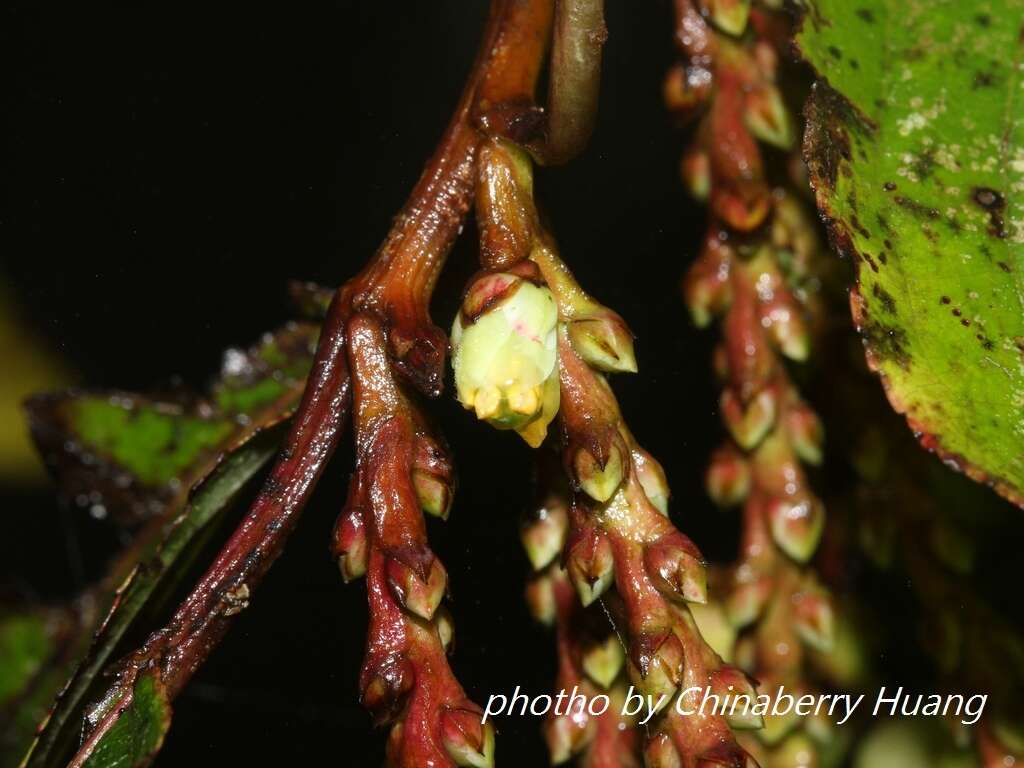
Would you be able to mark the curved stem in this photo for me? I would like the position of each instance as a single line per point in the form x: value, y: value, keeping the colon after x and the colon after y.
x: 575, y: 81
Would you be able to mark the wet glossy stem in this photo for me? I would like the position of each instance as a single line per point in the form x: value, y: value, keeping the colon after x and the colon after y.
x: 398, y: 282
x: 419, y: 240
x: 579, y: 35
x: 201, y: 621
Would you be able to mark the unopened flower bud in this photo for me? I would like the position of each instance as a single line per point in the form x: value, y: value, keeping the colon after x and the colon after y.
x: 748, y: 424
x: 730, y: 16
x: 767, y: 117
x: 505, y: 354
x: 706, y: 289
x: 733, y: 682
x: 677, y: 569
x: 778, y: 726
x: 603, y: 660
x: 686, y: 88
x: 604, y: 342
x: 433, y: 476
x: 599, y: 477
x: 695, y: 170
x: 385, y: 688
x: 660, y: 752
x: 813, y: 618
x: 418, y: 594
x: 657, y: 660
x: 806, y: 433
x: 540, y: 599
x: 543, y: 535
x: 349, y: 544
x: 445, y: 628
x: 467, y: 741
x: 783, y: 320
x: 567, y: 734
x: 715, y: 628
x: 591, y: 565
x: 796, y: 525
x: 652, y: 479
x: 747, y: 600
x: 728, y: 477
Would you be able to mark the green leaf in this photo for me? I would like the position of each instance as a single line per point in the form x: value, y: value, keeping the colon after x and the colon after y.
x: 914, y: 144
x: 25, y: 644
x: 164, y: 551
x: 132, y: 456
x: 138, y: 730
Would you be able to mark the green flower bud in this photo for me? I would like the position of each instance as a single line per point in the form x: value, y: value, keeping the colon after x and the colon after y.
x: 504, y: 352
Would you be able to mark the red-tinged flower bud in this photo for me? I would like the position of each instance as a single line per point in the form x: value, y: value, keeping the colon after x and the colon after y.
x: 540, y: 599
x: 749, y: 424
x: 349, y: 544
x: 660, y: 752
x: 677, y: 569
x: 591, y: 565
x: 806, y: 433
x: 747, y: 601
x: 652, y: 479
x: 599, y: 478
x: 385, y: 688
x: 728, y: 754
x: 784, y: 321
x: 766, y: 116
x: 687, y: 88
x: 603, y: 660
x: 730, y: 16
x: 733, y: 682
x: 715, y: 627
x: 445, y: 628
x: 604, y: 341
x: 706, y: 289
x: 796, y: 525
x: 567, y: 734
x: 778, y: 727
x: 433, y: 476
x: 544, y: 534
x: 742, y: 207
x: 695, y: 170
x: 656, y: 664
x: 435, y: 495
x: 728, y: 477
x: 766, y: 58
x: 814, y: 619
x: 466, y: 740
x: 417, y: 594
x: 793, y: 229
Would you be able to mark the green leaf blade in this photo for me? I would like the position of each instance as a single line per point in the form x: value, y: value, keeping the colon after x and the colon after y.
x: 915, y: 142
x: 127, y: 435
x: 136, y: 731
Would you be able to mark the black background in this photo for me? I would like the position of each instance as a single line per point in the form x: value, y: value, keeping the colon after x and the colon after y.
x: 168, y: 167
